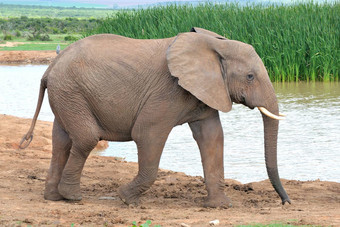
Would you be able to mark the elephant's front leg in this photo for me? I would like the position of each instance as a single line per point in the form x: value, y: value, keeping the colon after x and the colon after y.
x: 209, y: 137
x: 150, y: 143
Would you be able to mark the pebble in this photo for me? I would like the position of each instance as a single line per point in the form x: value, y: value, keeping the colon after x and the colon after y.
x: 214, y: 222
x: 107, y: 198
x: 184, y: 225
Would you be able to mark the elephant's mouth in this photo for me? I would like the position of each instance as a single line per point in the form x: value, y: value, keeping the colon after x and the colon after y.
x: 271, y: 115
x: 262, y: 109
x: 243, y: 101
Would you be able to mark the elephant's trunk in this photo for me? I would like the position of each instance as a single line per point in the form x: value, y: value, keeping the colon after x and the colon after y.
x: 270, y: 142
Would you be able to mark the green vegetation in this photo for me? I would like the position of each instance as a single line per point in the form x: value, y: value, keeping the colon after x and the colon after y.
x: 36, y: 46
x: 296, y: 42
x: 21, y: 43
x: 47, y: 25
x: 7, y: 11
x: 146, y: 224
x: 37, y: 33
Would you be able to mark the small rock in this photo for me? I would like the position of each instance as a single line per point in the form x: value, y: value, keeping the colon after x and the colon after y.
x: 107, y: 198
x: 32, y: 177
x: 184, y: 225
x: 214, y: 222
x: 57, y: 222
x: 120, y: 159
x: 28, y: 221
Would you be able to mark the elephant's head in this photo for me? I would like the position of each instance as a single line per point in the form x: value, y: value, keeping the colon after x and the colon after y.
x: 219, y: 72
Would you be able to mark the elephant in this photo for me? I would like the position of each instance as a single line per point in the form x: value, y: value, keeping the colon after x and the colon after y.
x: 115, y: 88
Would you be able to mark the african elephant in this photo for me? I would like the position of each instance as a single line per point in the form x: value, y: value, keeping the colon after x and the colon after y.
x: 109, y: 87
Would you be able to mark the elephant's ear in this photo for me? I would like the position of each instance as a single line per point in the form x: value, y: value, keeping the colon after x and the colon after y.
x: 193, y: 59
x: 207, y: 32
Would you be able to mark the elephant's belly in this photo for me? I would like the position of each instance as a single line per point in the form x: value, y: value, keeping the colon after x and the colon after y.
x: 116, y: 136
x: 116, y: 123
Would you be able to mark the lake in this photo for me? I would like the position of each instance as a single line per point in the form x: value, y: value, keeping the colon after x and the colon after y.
x: 308, y: 145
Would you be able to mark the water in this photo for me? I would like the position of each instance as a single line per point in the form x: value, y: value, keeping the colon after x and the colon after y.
x: 309, y: 139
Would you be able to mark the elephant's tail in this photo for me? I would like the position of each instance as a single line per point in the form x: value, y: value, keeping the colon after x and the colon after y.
x: 26, y: 140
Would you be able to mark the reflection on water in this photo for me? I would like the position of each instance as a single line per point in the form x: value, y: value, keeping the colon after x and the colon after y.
x: 309, y: 138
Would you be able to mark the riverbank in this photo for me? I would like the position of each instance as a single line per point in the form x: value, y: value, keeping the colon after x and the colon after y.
x: 27, y: 57
x: 175, y: 198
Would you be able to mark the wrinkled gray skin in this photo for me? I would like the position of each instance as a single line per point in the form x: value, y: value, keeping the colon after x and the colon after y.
x: 109, y: 87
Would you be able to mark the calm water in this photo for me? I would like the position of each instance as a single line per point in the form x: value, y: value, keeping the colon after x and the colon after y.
x: 309, y: 139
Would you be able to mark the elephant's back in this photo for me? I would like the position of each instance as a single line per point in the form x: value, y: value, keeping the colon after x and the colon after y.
x: 110, y: 52
x: 109, y: 74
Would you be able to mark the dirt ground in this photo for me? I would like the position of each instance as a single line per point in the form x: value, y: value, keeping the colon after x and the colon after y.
x: 175, y: 198
x: 26, y: 57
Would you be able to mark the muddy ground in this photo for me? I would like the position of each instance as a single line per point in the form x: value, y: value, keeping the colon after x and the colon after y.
x: 175, y: 198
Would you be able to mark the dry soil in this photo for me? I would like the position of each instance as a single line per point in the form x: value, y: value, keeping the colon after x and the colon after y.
x: 27, y: 57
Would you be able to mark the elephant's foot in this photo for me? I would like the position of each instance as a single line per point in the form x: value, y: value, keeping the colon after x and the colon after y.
x: 70, y: 191
x: 52, y: 195
x: 51, y: 192
x: 218, y: 201
x: 127, y: 195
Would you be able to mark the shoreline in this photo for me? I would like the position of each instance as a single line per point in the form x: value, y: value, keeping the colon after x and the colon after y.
x: 103, y: 145
x: 175, y: 197
x: 43, y: 57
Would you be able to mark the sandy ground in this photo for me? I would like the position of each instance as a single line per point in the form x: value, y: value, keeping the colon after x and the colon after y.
x: 175, y: 198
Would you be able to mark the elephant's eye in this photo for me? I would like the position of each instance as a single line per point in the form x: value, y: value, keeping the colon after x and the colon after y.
x: 250, y: 77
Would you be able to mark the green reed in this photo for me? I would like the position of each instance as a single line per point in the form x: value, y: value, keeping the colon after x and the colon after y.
x: 298, y: 42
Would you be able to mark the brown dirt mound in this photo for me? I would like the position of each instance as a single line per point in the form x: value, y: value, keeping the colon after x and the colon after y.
x: 175, y: 198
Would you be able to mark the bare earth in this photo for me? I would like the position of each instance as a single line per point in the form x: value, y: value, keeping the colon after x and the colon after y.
x: 26, y: 57
x: 175, y: 198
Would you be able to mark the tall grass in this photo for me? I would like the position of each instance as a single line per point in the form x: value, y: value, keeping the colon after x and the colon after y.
x: 296, y: 42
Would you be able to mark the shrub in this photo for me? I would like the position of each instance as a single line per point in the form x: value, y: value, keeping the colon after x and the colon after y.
x: 18, y: 33
x: 44, y: 37
x: 70, y: 38
x: 55, y: 30
x: 8, y: 37
x: 38, y: 36
x: 30, y: 37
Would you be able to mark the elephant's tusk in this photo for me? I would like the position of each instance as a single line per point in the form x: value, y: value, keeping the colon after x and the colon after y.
x: 271, y: 115
x: 282, y: 114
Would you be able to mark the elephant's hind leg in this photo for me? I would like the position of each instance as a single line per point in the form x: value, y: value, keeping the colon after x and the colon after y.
x: 150, y: 138
x: 69, y: 186
x: 61, y: 145
x: 84, y: 133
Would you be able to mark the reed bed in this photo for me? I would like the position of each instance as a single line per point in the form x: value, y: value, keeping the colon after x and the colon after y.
x: 297, y: 42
